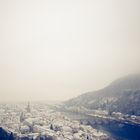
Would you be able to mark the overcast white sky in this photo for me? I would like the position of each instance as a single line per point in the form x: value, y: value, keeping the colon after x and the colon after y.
x: 58, y: 49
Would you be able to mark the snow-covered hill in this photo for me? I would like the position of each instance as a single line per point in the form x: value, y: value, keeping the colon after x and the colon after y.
x: 122, y: 95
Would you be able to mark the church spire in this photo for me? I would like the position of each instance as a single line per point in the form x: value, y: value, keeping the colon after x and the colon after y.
x: 28, y: 107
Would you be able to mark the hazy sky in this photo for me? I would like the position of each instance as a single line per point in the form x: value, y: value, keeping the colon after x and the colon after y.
x: 58, y: 49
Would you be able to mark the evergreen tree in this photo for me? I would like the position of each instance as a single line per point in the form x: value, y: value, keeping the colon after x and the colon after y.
x: 51, y: 127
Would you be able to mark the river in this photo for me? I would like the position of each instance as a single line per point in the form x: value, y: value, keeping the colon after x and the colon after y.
x: 120, y: 131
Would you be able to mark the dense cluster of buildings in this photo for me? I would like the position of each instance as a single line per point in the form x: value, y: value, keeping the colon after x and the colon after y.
x: 39, y: 122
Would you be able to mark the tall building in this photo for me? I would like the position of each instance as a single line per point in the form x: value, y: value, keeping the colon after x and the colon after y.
x: 22, y: 117
x: 28, y: 108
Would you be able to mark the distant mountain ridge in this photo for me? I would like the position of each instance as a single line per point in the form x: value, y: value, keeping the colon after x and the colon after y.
x: 122, y: 95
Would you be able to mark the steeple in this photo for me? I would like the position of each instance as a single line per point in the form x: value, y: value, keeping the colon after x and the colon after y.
x: 28, y: 108
x: 22, y: 117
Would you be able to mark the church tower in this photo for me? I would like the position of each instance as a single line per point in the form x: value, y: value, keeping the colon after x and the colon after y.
x: 28, y: 108
x: 22, y: 117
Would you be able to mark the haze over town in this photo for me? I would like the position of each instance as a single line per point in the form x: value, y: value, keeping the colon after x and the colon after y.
x: 56, y: 50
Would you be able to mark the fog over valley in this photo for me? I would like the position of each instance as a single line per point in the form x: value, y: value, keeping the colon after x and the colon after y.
x: 56, y: 50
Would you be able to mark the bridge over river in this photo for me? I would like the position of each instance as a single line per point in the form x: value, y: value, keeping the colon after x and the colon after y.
x: 119, y: 129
